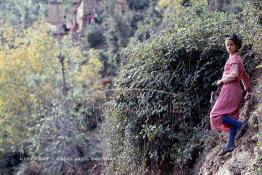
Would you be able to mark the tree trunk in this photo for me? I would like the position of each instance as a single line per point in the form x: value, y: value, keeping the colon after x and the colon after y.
x: 61, y: 60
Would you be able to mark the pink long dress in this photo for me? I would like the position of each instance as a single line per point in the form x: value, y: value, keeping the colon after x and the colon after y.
x: 230, y: 97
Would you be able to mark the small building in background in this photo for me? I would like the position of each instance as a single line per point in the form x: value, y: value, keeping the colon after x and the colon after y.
x: 85, y: 14
x: 56, y: 17
x: 75, y: 19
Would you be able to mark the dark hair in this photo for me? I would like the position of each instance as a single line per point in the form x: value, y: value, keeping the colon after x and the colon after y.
x: 236, y: 39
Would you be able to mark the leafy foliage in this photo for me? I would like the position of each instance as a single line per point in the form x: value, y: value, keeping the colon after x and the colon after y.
x: 149, y: 25
x: 23, y: 12
x: 95, y: 37
x: 117, y: 34
x: 48, y: 87
x: 251, y: 29
x: 138, y: 4
x: 156, y: 123
x: 162, y: 94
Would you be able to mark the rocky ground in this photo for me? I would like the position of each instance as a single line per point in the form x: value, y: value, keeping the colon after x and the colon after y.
x: 246, y: 159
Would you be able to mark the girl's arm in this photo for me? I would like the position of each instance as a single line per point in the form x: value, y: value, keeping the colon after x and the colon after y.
x: 234, y: 74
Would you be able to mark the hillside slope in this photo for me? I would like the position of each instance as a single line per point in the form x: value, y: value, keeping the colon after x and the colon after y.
x: 246, y: 158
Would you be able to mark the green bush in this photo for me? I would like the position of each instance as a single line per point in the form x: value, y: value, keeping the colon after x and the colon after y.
x: 138, y: 4
x: 162, y: 97
x: 117, y: 34
x: 95, y: 38
x: 251, y: 29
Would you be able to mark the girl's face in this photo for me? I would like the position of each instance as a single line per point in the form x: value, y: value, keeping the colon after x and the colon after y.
x: 231, y: 46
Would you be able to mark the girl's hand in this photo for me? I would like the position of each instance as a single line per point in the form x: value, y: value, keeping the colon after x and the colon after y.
x: 219, y: 82
x: 247, y: 96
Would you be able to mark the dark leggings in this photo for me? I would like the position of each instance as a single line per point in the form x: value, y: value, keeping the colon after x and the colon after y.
x: 234, y: 125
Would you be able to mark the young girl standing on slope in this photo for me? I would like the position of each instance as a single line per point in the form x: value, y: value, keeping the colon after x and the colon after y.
x: 225, y: 112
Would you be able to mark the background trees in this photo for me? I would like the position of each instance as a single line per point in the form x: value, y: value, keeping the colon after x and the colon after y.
x: 45, y: 102
x: 166, y: 55
x: 23, y: 12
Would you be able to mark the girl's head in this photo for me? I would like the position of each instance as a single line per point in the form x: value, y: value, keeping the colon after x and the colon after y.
x: 233, y: 43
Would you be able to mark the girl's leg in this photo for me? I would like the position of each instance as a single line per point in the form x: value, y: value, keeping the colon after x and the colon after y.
x: 235, y: 125
x: 241, y: 126
x: 231, y: 138
x: 231, y: 121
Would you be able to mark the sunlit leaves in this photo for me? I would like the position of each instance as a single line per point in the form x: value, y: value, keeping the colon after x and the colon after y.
x: 90, y: 69
x: 163, y: 3
x: 31, y: 77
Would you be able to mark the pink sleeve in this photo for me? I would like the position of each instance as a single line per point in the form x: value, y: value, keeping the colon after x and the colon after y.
x: 236, y: 59
x: 234, y: 70
x: 233, y: 59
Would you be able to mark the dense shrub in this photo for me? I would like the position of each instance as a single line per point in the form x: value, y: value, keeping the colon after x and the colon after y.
x: 162, y: 96
x: 251, y: 29
x: 150, y: 25
x: 95, y: 37
x: 138, y: 4
x: 10, y: 160
x: 117, y: 34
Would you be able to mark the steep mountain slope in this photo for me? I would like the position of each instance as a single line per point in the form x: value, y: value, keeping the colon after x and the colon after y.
x: 246, y: 158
